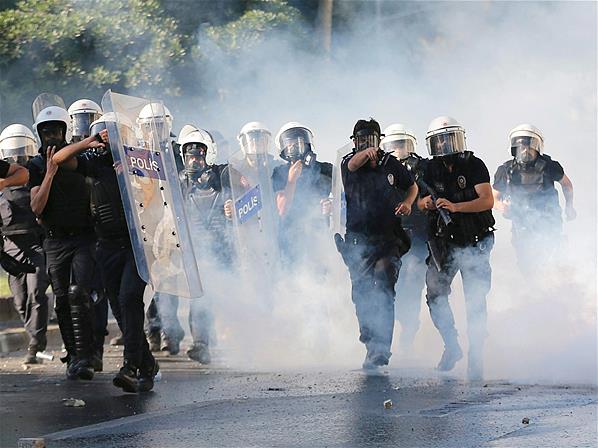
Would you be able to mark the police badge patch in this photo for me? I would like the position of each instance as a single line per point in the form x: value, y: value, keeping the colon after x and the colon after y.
x: 391, y: 179
x: 461, y: 181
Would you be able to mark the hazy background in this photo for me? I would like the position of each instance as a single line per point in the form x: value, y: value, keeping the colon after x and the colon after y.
x: 491, y: 65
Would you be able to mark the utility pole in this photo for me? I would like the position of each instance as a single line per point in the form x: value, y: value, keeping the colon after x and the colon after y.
x: 325, y: 24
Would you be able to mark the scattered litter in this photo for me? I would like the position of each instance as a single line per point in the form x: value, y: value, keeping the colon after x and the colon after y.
x: 388, y: 404
x: 485, y: 385
x: 525, y: 421
x: 276, y: 389
x: 73, y: 402
x: 44, y: 356
x: 25, y: 367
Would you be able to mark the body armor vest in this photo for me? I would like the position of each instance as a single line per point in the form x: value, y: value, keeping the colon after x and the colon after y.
x: 16, y: 214
x: 107, y: 209
x: 467, y: 228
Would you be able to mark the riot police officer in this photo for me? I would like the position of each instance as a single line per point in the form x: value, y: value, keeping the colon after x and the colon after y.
x: 114, y: 253
x: 525, y: 189
x: 61, y: 199
x: 375, y: 240
x: 402, y: 143
x: 22, y: 256
x: 456, y: 193
x: 302, y: 186
x: 83, y: 112
x: 206, y: 191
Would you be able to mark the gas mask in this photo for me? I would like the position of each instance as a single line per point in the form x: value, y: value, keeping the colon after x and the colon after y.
x: 525, y: 149
x: 365, y: 139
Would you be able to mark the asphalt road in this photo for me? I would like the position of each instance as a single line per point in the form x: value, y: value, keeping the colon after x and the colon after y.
x: 194, y: 406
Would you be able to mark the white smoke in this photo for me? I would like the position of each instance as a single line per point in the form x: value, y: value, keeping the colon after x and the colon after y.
x: 491, y: 66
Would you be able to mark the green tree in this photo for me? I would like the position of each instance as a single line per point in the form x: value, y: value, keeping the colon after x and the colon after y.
x: 81, y: 48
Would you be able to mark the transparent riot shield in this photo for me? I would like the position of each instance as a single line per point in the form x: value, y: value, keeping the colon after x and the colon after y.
x: 255, y: 219
x: 339, y: 204
x: 152, y: 197
x: 44, y: 100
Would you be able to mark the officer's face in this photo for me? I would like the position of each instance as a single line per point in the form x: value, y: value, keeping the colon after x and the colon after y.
x: 524, y: 152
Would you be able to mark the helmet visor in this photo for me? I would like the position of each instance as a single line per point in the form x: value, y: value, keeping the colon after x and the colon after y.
x: 295, y: 143
x: 400, y: 147
x: 525, y: 142
x: 254, y: 143
x: 446, y: 143
x: 81, y: 124
x: 194, y: 155
x: 18, y: 146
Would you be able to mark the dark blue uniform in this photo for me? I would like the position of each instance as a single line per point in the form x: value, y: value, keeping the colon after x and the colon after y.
x: 464, y: 246
x: 374, y: 243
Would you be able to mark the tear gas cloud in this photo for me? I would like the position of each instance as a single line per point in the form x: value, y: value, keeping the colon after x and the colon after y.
x: 491, y: 66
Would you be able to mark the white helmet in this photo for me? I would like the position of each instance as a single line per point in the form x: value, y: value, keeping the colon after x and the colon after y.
x: 294, y: 140
x: 254, y: 139
x: 399, y: 141
x: 83, y: 112
x: 187, y: 129
x: 445, y: 136
x: 17, y: 140
x: 523, y: 138
x: 193, y: 141
x: 126, y: 129
x: 158, y: 114
x: 52, y: 114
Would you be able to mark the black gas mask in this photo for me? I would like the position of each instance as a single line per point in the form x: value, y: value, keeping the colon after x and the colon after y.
x: 194, y: 158
x: 52, y: 133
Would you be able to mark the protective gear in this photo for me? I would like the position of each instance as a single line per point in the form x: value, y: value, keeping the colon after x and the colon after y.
x: 80, y: 303
x: 152, y: 197
x: 366, y: 134
x: 50, y: 114
x: 17, y: 144
x: 527, y: 142
x: 254, y: 139
x: 155, y: 115
x: 294, y: 141
x: 399, y: 141
x: 445, y: 136
x: 198, y: 143
x: 83, y: 113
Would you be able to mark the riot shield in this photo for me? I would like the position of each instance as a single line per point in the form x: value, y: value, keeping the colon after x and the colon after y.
x: 339, y: 204
x: 255, y: 219
x: 44, y: 100
x: 152, y: 198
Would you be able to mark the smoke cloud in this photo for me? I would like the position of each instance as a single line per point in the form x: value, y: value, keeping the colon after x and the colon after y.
x: 491, y: 66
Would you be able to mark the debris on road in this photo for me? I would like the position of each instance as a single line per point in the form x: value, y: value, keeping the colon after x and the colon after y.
x: 525, y: 421
x: 388, y: 404
x: 73, y: 402
x: 276, y: 389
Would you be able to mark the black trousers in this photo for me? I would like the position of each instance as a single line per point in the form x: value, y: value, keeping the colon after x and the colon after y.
x: 374, y: 269
x: 29, y: 290
x: 121, y: 279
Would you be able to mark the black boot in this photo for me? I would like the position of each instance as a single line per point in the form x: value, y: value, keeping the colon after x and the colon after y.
x: 81, y: 314
x: 126, y: 378
x: 65, y: 324
x: 147, y: 373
